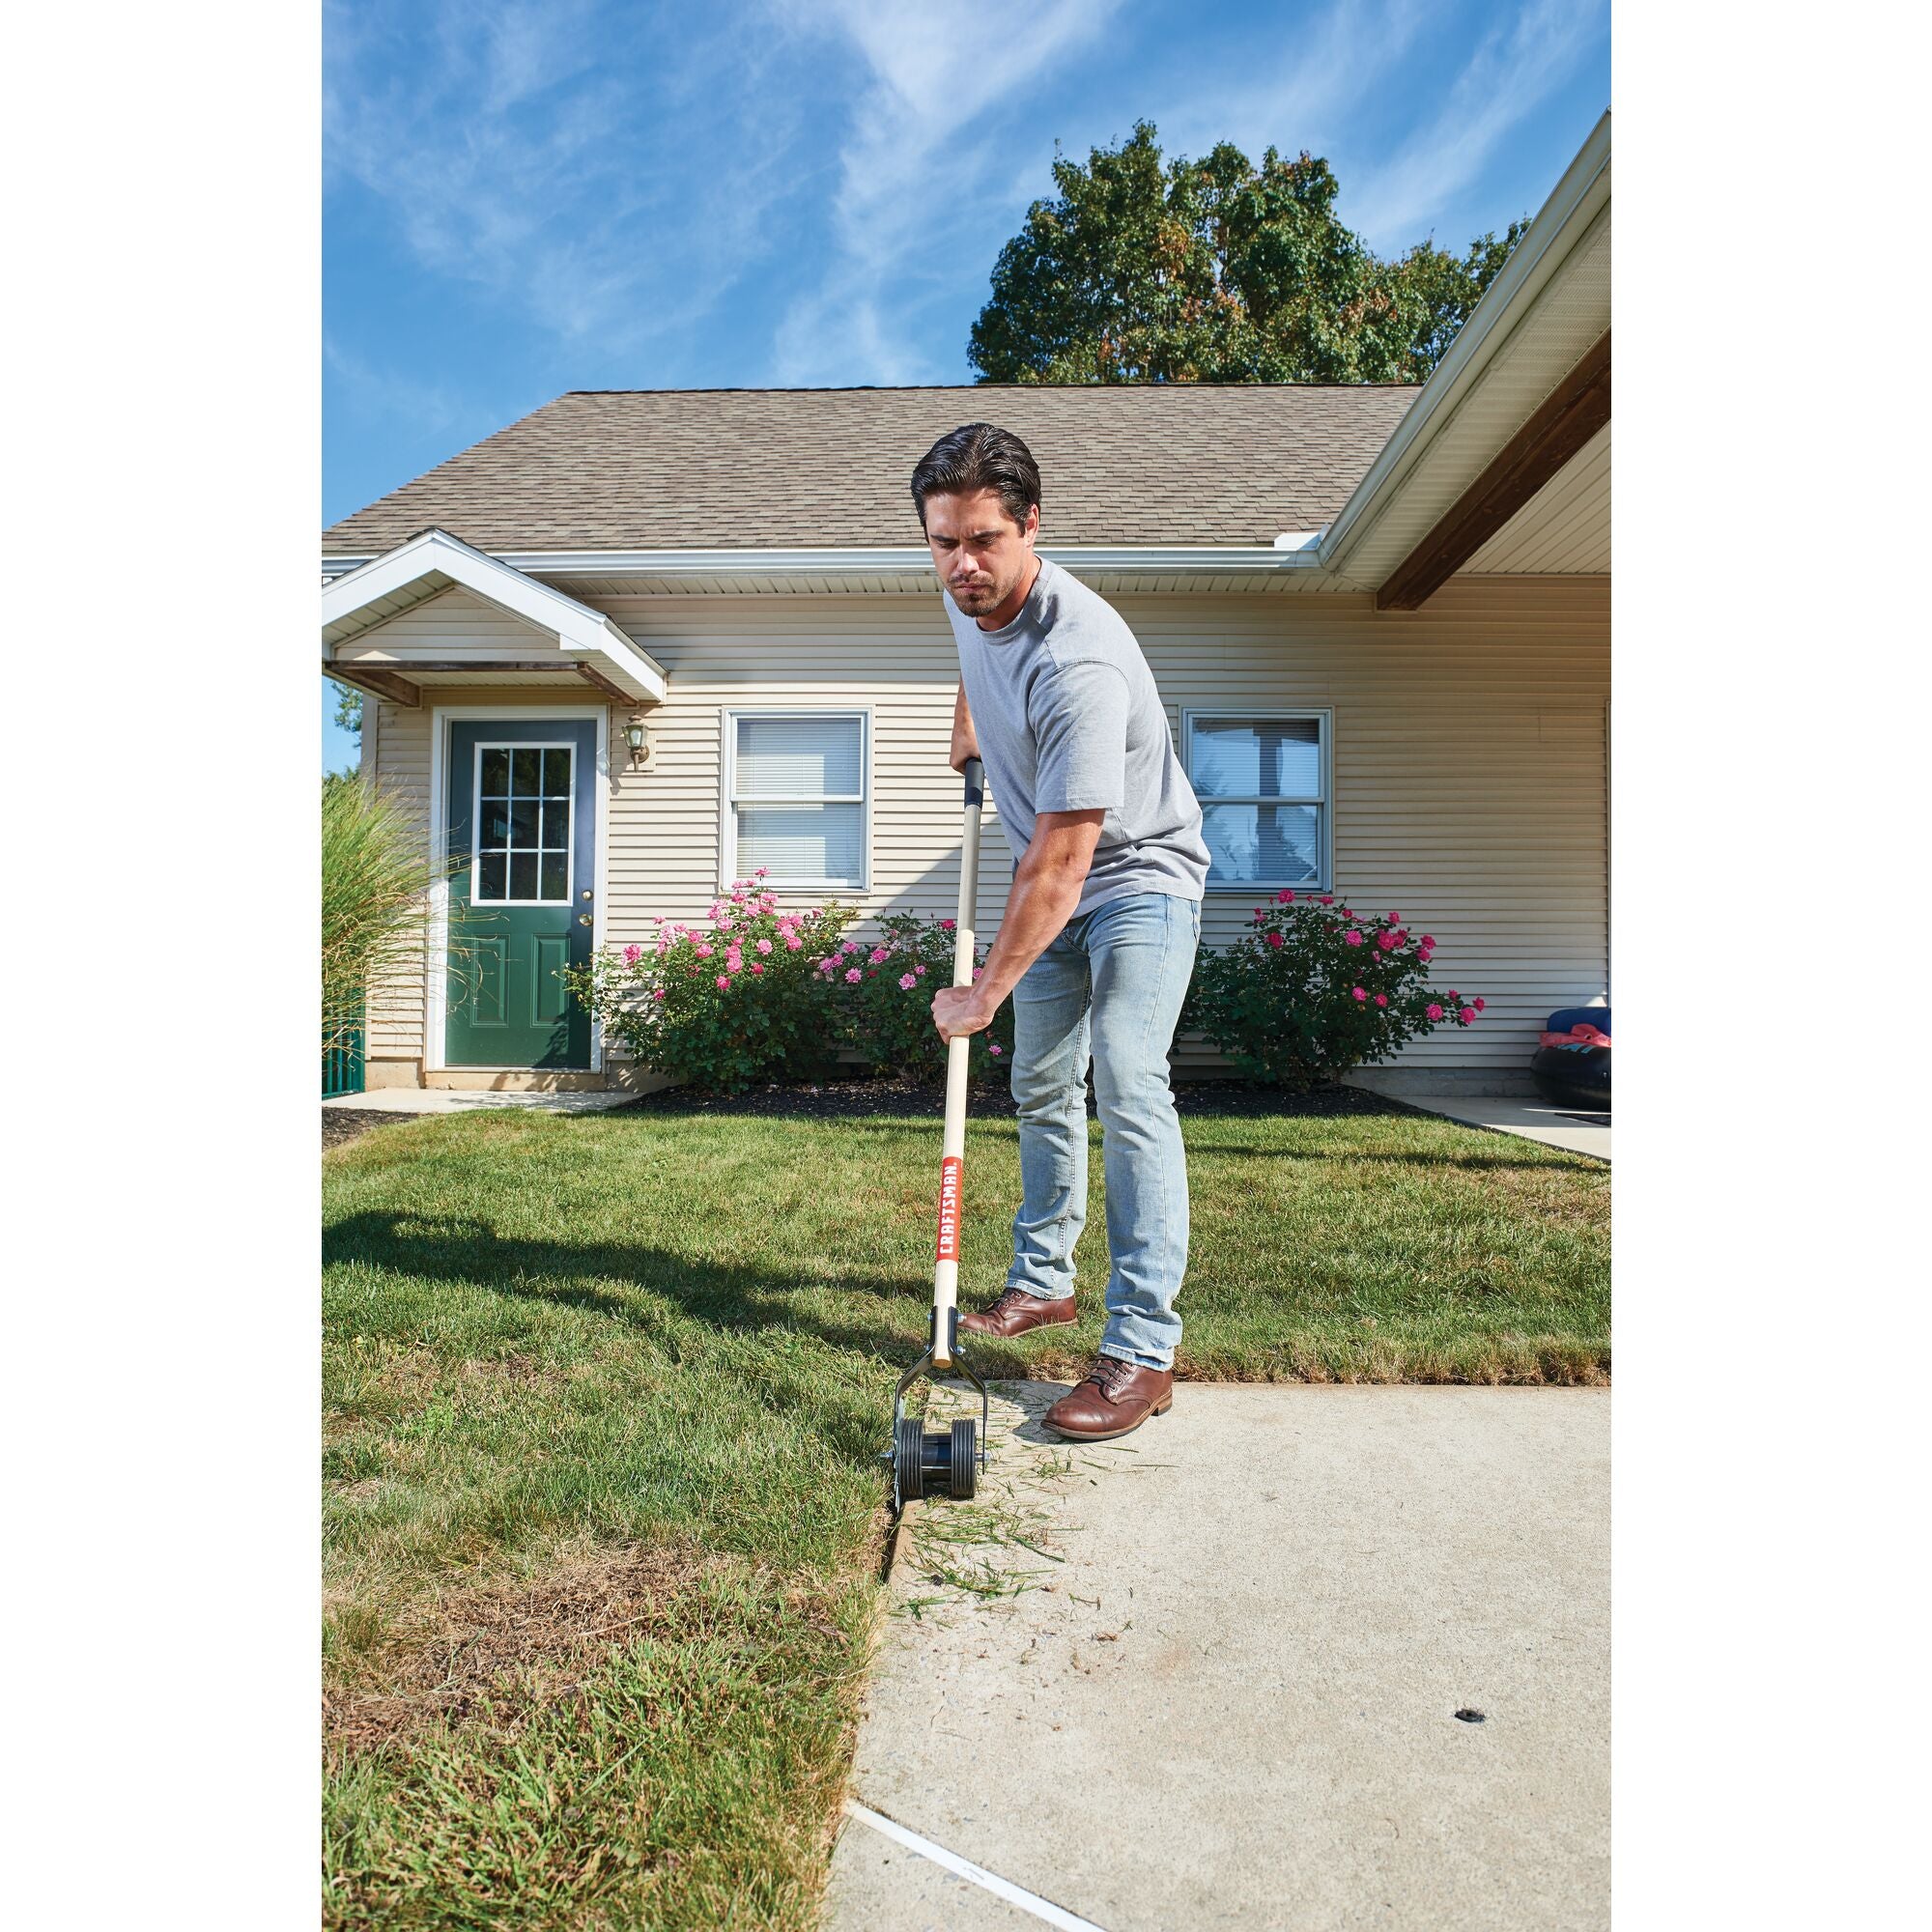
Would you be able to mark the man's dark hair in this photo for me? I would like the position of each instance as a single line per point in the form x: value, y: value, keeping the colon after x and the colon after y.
x: 976, y: 457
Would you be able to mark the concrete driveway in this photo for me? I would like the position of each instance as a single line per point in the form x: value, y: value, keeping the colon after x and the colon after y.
x: 1210, y: 1675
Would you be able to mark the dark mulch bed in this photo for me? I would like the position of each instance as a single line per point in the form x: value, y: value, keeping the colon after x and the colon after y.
x: 347, y: 1124
x: 836, y: 1099
x: 848, y: 1098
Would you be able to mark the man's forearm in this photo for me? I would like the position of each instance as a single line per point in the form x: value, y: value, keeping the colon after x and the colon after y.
x: 1040, y: 904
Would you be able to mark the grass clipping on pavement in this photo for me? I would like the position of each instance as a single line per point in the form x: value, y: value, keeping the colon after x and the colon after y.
x: 604, y: 1395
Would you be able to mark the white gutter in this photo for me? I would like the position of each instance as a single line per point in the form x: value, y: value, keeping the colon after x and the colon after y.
x: 908, y: 562
x: 1562, y: 222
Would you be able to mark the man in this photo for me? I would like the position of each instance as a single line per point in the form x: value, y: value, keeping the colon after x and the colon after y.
x: 1102, y: 921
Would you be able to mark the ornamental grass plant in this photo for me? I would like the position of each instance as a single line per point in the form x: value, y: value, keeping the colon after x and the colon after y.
x: 375, y: 880
x: 1314, y: 988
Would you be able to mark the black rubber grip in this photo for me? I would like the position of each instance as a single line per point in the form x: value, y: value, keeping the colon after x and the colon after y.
x: 972, y: 773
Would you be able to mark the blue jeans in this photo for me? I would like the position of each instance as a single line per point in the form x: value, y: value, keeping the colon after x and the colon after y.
x: 1110, y: 985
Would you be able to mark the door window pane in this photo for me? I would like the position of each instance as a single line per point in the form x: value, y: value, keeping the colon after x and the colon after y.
x: 556, y: 772
x: 523, y: 841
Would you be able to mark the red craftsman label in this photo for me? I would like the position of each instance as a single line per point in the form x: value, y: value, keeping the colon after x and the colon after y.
x: 949, y: 1209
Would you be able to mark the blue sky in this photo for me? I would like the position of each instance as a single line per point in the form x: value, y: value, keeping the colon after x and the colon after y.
x: 521, y: 199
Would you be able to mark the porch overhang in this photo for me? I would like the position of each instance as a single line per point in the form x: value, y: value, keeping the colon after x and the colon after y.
x: 590, y: 650
x: 1483, y: 469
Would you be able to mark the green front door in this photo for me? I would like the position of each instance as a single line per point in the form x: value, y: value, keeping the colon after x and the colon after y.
x: 523, y: 829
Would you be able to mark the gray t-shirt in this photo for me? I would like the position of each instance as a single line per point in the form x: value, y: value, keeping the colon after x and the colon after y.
x: 1069, y: 720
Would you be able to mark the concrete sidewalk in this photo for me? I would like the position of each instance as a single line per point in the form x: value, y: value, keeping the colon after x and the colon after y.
x: 1210, y: 1675
x: 1534, y: 1118
x: 473, y: 1100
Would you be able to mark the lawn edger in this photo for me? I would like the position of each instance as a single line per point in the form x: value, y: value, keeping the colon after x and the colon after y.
x: 948, y: 1463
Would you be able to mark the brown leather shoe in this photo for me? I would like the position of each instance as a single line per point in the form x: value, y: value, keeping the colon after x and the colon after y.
x: 1014, y: 1313
x: 1115, y: 1400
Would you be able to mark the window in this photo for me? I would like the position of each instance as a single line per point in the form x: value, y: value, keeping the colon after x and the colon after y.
x: 795, y: 797
x: 1261, y: 778
x: 522, y: 854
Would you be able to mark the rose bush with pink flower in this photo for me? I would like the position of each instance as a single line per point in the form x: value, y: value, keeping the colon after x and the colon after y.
x: 1313, y: 988
x: 888, y: 1013
x: 770, y: 1016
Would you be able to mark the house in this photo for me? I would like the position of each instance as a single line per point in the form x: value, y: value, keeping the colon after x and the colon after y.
x: 1388, y: 606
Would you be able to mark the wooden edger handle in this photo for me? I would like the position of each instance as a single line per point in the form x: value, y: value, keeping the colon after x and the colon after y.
x: 946, y: 1264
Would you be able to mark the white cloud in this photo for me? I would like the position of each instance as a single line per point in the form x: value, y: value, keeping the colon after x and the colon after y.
x: 1300, y: 85
x: 586, y: 165
x: 912, y: 191
x: 1515, y: 68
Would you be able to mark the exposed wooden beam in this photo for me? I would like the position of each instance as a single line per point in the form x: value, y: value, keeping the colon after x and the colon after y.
x: 1568, y: 418
x: 388, y: 684
x: 617, y: 693
x: 483, y: 670
x: 391, y: 683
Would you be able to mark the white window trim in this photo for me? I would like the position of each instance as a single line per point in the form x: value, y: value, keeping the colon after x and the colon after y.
x: 435, y: 1004
x: 728, y: 800
x: 1325, y: 718
x: 476, y: 824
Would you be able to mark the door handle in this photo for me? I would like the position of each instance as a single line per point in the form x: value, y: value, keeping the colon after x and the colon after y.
x: 583, y: 919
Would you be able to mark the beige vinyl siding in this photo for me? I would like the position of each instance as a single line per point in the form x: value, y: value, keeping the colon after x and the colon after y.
x: 453, y: 624
x: 394, y: 1025
x: 1468, y: 763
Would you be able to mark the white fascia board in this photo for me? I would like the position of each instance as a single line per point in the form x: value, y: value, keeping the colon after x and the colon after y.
x: 575, y: 626
x: 1189, y: 559
x: 1561, y: 223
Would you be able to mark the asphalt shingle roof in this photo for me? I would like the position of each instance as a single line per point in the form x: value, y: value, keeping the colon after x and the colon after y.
x: 811, y: 469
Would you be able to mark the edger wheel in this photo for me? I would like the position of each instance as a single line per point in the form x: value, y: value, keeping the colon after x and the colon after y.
x: 962, y: 1468
x: 908, y: 1454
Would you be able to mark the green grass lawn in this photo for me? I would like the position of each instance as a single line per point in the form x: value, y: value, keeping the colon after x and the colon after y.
x: 603, y: 1397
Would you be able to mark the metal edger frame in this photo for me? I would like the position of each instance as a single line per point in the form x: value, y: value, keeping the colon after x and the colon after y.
x: 947, y: 1464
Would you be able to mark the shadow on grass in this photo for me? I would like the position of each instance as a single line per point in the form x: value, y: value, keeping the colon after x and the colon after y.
x: 597, y: 1276
x: 610, y: 1278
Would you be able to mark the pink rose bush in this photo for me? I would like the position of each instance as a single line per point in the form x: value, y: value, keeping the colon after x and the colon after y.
x: 767, y: 1016
x: 793, y: 991
x: 1309, y: 989
x: 1312, y: 988
x: 889, y: 1011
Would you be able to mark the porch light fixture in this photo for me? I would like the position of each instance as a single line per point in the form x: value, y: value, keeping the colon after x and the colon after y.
x: 639, y: 738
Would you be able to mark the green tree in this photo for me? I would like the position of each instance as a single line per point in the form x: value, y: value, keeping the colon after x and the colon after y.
x: 1214, y: 270
x: 1449, y: 288
x: 347, y: 708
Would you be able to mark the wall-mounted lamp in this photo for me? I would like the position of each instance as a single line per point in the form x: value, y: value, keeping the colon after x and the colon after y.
x: 639, y: 738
